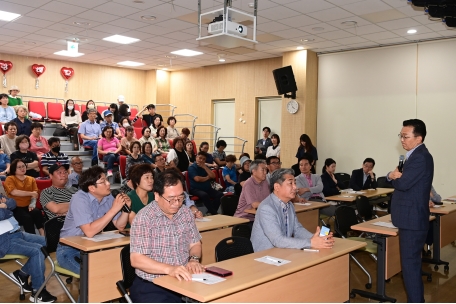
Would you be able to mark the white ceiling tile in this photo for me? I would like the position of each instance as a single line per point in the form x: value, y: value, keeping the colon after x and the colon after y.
x: 282, y: 2
x: 27, y: 20
x: 438, y: 26
x: 350, y: 40
x: 283, y: 43
x: 20, y: 27
x: 420, y: 30
x: 424, y: 19
x: 85, y: 3
x: 156, y: 30
x: 272, y: 26
x: 41, y: 38
x: 128, y: 23
x: 424, y: 36
x: 180, y: 36
x: 130, y: 48
x: 309, y: 6
x: 140, y: 6
x: 323, y: 44
x: 335, y: 35
x: 359, y: 22
x: 282, y: 11
x: 150, y: 52
x: 48, y: 15
x: 342, y: 2
x: 51, y: 33
x: 379, y: 36
x: 315, y: 28
x: 34, y: 3
x: 392, y: 41
x: 138, y: 35
x: 396, y: 3
x: 448, y: 33
x: 244, y: 5
x: 166, y: 49
x: 97, y: 17
x: 116, y: 51
x: 8, y: 32
x: 366, y: 7
x: 299, y: 21
x: 64, y: 28
x: 16, y: 8
x: 160, y: 40
x: 92, y: 34
x: 290, y: 33
x: 63, y: 8
x: 364, y: 30
x: 175, y: 25
x: 411, y: 11
x: 111, y: 29
x: 399, y: 24
x: 330, y: 14
x: 172, y: 12
x: 116, y: 9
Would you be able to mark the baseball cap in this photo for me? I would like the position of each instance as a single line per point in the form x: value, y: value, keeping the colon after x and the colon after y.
x: 106, y: 113
x: 57, y: 166
x: 121, y: 98
x: 244, y: 159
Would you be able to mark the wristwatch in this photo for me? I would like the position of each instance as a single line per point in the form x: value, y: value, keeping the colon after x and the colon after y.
x: 194, y: 257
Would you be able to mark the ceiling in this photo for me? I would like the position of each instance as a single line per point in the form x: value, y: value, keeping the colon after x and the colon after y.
x: 45, y: 26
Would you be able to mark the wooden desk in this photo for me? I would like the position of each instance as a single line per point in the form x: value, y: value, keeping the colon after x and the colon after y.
x: 351, y: 197
x: 308, y: 216
x: 103, y: 258
x: 298, y: 281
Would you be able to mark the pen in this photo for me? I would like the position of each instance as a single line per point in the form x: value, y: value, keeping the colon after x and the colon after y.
x: 199, y: 279
x: 311, y: 250
x: 273, y: 260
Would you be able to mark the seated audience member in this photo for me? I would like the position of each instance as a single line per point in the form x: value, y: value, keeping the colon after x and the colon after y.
x: 5, y: 163
x: 109, y: 121
x: 38, y: 143
x: 264, y: 143
x: 115, y: 112
x: 24, y: 191
x: 190, y: 152
x: 90, y: 105
x: 273, y: 163
x: 331, y: 186
x: 124, y: 110
x: 15, y: 242
x: 276, y: 224
x: 56, y: 199
x: 28, y: 157
x: 127, y: 185
x: 178, y: 155
x: 185, y: 133
x: 171, y: 130
x: 245, y: 168
x: 73, y: 178
x: 364, y: 178
x: 260, y: 156
x: 229, y: 173
x: 204, y: 147
x: 13, y: 99
x: 127, y: 141
x: 124, y: 123
x: 142, y: 180
x: 53, y: 156
x: 70, y: 120
x: 90, y: 132
x: 160, y: 163
x: 310, y: 186
x: 7, y: 113
x: 274, y: 149
x: 149, y: 118
x: 8, y: 140
x: 92, y: 208
x: 146, y: 137
x: 306, y: 146
x: 24, y: 125
x: 200, y: 177
x: 162, y: 143
x: 135, y: 158
x: 109, y: 147
x: 148, y: 156
x: 254, y: 191
x: 164, y: 241
x: 156, y: 123
x: 219, y: 155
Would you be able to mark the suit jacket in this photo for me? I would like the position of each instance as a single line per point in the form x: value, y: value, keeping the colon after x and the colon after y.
x: 356, y: 181
x: 329, y: 186
x: 264, y: 147
x: 410, y: 201
x: 317, y: 185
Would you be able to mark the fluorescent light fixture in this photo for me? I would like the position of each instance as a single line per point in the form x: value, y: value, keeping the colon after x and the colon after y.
x: 411, y: 31
x: 187, y: 53
x: 130, y: 63
x: 68, y: 54
x: 300, y: 48
x: 121, y: 39
x: 7, y: 16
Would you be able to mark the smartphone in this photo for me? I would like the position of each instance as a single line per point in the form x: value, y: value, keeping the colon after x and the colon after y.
x: 438, y: 203
x: 218, y: 271
x: 125, y: 233
x: 324, y: 231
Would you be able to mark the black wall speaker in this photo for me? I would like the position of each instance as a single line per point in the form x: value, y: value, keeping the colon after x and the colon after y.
x: 284, y: 79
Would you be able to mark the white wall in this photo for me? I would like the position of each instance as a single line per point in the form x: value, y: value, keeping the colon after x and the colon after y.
x: 364, y: 96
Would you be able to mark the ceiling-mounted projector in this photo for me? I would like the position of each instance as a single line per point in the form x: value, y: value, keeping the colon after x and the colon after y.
x: 232, y: 28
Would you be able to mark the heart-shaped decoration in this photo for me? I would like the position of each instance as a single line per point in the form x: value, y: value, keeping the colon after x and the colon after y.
x: 67, y: 73
x: 38, y: 69
x: 5, y: 66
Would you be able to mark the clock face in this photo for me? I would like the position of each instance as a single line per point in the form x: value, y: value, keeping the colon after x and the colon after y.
x: 292, y: 106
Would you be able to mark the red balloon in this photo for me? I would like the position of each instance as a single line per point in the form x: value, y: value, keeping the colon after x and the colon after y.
x: 67, y: 73
x: 38, y: 69
x: 5, y: 66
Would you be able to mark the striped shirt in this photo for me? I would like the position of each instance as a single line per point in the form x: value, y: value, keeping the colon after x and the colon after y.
x: 49, y: 159
x: 56, y: 195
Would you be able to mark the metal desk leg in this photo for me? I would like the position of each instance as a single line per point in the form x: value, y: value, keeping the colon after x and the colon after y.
x: 84, y: 278
x: 380, y: 296
x: 436, y: 246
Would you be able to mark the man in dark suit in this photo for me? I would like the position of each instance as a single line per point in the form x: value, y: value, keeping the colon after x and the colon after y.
x: 410, y: 204
x: 364, y: 178
x: 264, y: 143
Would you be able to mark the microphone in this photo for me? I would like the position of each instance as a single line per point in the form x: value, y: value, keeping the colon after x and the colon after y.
x: 401, y: 163
x: 125, y: 207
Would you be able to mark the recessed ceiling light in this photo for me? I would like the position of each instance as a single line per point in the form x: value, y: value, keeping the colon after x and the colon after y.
x: 148, y: 17
x: 251, y: 5
x: 187, y: 53
x: 29, y: 42
x: 81, y: 23
x: 349, y: 22
x: 307, y: 40
x: 221, y: 57
x: 68, y: 54
x: 300, y: 48
x: 121, y: 39
x: 412, y: 31
x: 138, y: 1
x: 130, y: 63
x: 7, y: 16
x: 318, y: 28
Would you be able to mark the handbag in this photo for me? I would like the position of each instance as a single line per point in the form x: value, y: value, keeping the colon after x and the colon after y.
x: 60, y: 132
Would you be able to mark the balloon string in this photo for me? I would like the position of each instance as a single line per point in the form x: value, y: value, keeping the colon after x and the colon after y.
x: 4, y: 80
x: 66, y: 86
x: 37, y: 83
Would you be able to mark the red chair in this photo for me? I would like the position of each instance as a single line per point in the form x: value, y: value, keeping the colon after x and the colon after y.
x: 138, y: 123
x: 187, y: 182
x: 42, y: 184
x: 171, y: 144
x: 221, y: 180
x: 37, y: 107
x: 123, y: 166
x: 86, y: 148
x: 133, y: 113
x: 138, y: 132
x: 194, y: 147
x: 101, y: 109
x: 83, y: 108
x: 54, y: 111
x: 1, y: 130
x: 76, y: 108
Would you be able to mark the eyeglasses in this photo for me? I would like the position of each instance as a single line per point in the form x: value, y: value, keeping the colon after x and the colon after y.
x: 276, y: 163
x: 404, y: 137
x: 102, y: 182
x: 78, y: 163
x: 176, y: 199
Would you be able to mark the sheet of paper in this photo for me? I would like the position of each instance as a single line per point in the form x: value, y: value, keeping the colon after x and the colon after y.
x: 384, y: 224
x: 5, y: 226
x: 272, y: 260
x: 207, y: 278
x: 450, y: 199
x: 104, y: 237
x: 359, y: 192
x: 204, y: 219
x: 438, y: 206
x: 333, y: 203
x: 303, y: 204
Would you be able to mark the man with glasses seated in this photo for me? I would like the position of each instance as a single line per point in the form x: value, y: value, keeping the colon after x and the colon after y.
x: 164, y: 240
x: 364, y: 178
x: 92, y: 208
x: 273, y: 163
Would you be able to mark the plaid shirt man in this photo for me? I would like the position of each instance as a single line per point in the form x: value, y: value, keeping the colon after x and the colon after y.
x: 162, y: 239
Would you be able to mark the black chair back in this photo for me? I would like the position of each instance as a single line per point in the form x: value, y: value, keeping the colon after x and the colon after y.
x: 242, y: 230
x: 229, y: 204
x: 382, y: 182
x: 365, y: 209
x: 128, y: 272
x: 345, y: 218
x: 343, y: 178
x: 232, y: 247
x: 52, y: 232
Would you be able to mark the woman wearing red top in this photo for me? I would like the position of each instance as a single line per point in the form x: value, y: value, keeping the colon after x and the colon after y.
x: 109, y: 147
x: 38, y: 143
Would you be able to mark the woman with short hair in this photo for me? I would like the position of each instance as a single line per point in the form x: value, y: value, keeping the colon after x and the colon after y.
x: 178, y: 155
x: 171, y: 130
x: 7, y: 113
x: 274, y: 150
x: 28, y: 157
x: 24, y: 125
x: 85, y: 115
